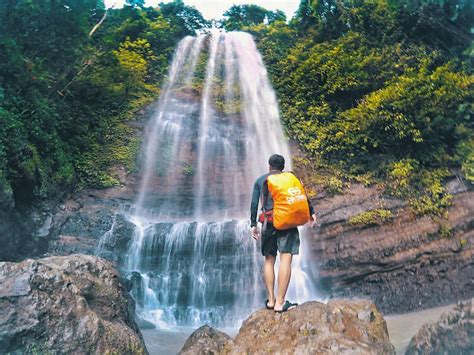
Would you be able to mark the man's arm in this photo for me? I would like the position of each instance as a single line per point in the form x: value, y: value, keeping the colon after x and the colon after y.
x: 311, y: 209
x: 254, y: 204
x: 312, y: 214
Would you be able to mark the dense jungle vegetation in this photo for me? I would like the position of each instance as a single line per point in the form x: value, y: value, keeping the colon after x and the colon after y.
x: 69, y: 88
x: 378, y: 91
x: 373, y: 91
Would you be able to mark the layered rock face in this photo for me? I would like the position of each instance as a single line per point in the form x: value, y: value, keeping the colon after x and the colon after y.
x: 403, y: 264
x: 73, y: 304
x: 339, y: 327
x: 453, y: 333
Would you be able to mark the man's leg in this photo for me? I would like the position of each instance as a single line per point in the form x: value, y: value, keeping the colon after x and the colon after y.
x: 284, y: 275
x: 269, y: 250
x: 269, y: 276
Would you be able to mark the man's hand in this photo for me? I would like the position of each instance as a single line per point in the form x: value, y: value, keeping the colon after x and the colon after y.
x: 255, y: 233
x: 312, y: 222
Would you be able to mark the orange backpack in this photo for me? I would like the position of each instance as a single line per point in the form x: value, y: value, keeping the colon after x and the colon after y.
x: 290, y: 204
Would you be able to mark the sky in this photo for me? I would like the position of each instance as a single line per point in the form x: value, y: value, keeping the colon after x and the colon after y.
x: 213, y: 9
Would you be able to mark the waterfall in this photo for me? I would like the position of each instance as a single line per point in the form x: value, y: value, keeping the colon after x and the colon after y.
x: 213, y: 129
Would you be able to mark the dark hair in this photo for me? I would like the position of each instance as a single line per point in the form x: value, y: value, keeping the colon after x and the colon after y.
x: 276, y: 161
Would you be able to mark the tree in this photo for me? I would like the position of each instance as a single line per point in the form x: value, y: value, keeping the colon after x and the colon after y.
x: 323, y: 17
x: 240, y: 16
x: 185, y: 18
x: 442, y: 24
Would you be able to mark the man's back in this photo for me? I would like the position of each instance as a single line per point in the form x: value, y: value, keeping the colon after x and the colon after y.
x: 260, y: 187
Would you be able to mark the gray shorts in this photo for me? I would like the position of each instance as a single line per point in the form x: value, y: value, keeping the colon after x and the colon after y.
x: 284, y: 241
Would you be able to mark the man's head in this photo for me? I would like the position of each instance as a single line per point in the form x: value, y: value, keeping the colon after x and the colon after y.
x: 276, y: 162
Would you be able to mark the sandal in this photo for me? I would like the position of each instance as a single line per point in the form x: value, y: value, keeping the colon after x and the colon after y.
x: 267, y: 306
x: 286, y: 307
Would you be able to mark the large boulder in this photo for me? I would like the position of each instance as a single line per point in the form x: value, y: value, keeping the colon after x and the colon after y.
x: 72, y: 304
x: 338, y: 327
x: 453, y: 333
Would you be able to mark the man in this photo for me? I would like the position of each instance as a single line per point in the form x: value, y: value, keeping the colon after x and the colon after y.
x: 285, y: 241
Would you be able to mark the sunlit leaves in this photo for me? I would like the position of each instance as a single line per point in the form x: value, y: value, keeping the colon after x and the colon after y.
x: 134, y: 57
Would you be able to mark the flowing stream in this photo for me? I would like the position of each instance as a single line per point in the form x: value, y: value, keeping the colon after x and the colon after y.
x: 214, y: 127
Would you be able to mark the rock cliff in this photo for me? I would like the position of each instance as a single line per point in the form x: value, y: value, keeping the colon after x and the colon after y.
x: 338, y: 327
x: 74, y: 304
x: 403, y: 264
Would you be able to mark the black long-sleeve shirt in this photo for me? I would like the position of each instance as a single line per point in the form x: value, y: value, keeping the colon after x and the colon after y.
x: 259, y: 187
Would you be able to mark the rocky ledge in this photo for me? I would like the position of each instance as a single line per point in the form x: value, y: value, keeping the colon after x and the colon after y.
x: 73, y: 304
x: 404, y: 263
x: 339, y: 327
x: 453, y: 333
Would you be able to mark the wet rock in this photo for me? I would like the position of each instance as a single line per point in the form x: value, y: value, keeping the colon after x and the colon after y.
x: 205, y: 340
x: 95, y: 228
x: 24, y: 231
x: 338, y: 327
x: 73, y: 304
x: 11, y: 231
x: 453, y: 333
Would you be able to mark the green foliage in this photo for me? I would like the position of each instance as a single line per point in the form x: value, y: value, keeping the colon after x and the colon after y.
x: 378, y: 91
x: 66, y: 97
x: 239, y: 17
x: 428, y: 196
x: 375, y: 216
x: 185, y: 20
x: 415, y: 116
x: 445, y: 24
x: 445, y: 231
x: 465, y: 151
x: 335, y: 185
x: 135, y: 3
x: 134, y: 57
x: 331, y: 180
x: 188, y: 169
x: 421, y: 187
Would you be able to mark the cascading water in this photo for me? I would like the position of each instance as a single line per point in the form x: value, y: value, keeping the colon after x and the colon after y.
x: 214, y: 128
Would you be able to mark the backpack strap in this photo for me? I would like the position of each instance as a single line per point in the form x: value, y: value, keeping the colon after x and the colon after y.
x: 262, y: 194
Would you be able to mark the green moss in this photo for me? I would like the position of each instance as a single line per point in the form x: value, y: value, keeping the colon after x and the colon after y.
x: 445, y: 231
x: 375, y: 216
x: 188, y: 169
x: 366, y: 179
x: 422, y: 188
